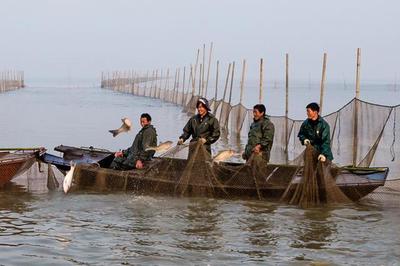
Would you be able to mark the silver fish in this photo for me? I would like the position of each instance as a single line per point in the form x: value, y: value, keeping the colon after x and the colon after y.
x: 125, y: 127
x: 68, y: 178
x: 164, y: 146
x: 223, y: 155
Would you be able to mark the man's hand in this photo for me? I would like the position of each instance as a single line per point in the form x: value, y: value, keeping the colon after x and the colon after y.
x: 257, y: 149
x: 202, y: 140
x: 118, y: 154
x: 180, y: 141
x: 321, y: 158
x: 139, y: 164
x: 306, y: 142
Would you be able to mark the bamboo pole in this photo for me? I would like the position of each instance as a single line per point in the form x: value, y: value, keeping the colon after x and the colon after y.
x: 321, y: 97
x: 216, y: 82
x: 242, y: 81
x: 230, y: 91
x: 227, y: 81
x: 199, y: 92
x: 226, y: 87
x: 192, y: 74
x: 358, y: 73
x: 183, y: 86
x: 261, y: 96
x: 208, y: 68
x: 287, y: 108
x: 159, y: 87
x: 173, y: 91
x: 202, y: 72
x: 356, y: 107
x: 177, y: 86
x: 195, y: 71
x: 155, y: 85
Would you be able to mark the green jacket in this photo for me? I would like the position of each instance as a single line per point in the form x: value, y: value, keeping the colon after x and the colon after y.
x: 318, y: 132
x: 207, y: 128
x: 147, y: 137
x: 261, y: 132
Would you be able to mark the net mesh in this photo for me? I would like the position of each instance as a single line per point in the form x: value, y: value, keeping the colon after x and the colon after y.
x: 362, y: 134
x: 316, y: 186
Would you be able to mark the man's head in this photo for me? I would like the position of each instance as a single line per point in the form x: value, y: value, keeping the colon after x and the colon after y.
x: 202, y: 106
x: 312, y: 111
x: 258, y: 111
x: 145, y: 119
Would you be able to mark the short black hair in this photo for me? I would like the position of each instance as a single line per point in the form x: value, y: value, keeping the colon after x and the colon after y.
x: 313, y: 106
x: 146, y: 115
x: 260, y: 107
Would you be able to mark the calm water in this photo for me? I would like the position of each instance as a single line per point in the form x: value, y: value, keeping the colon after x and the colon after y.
x: 48, y: 228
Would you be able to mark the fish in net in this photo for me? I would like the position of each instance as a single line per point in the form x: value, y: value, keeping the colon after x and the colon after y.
x: 317, y: 184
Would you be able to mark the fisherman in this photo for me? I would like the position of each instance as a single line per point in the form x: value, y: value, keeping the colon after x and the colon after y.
x: 136, y: 155
x: 261, y: 135
x: 315, y: 131
x: 203, y: 126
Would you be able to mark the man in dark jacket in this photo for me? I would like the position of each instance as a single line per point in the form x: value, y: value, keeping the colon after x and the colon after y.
x: 136, y: 155
x: 261, y: 135
x: 315, y: 131
x: 203, y: 126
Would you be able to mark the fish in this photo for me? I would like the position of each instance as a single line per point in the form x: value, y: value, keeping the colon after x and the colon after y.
x: 224, y: 155
x: 164, y: 146
x: 125, y: 127
x: 68, y: 178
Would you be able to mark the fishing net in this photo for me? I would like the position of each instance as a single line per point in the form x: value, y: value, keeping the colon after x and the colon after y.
x: 362, y: 134
x: 189, y: 170
x: 316, y: 186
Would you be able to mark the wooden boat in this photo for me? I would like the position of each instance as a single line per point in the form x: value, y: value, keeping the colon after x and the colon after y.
x: 14, y: 162
x: 83, y: 155
x: 231, y: 180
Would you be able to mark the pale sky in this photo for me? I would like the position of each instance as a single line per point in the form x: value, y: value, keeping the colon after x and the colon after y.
x: 78, y: 39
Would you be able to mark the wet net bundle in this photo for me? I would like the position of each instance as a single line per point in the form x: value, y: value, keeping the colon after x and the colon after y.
x: 316, y: 186
x: 362, y: 134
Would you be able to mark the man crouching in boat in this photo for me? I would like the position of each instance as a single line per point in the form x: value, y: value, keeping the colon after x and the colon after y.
x: 261, y: 135
x: 315, y: 131
x: 136, y: 155
x: 203, y: 127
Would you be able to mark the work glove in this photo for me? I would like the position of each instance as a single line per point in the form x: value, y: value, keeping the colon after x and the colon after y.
x: 180, y: 141
x: 202, y: 140
x: 306, y: 142
x: 321, y: 158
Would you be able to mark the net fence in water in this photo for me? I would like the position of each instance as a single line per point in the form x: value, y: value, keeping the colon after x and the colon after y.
x: 362, y: 134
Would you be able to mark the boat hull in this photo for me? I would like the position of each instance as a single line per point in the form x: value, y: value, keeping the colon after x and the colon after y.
x: 14, y: 164
x: 271, y: 186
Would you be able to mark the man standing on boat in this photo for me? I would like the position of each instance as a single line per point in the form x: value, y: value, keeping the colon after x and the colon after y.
x: 261, y: 135
x: 136, y: 155
x: 315, y: 131
x: 203, y: 126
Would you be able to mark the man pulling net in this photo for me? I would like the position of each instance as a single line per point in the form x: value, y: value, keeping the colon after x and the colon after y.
x: 317, y: 185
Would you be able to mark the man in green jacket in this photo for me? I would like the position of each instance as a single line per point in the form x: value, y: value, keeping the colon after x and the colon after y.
x: 136, y: 155
x: 315, y: 131
x: 261, y: 135
x: 203, y: 126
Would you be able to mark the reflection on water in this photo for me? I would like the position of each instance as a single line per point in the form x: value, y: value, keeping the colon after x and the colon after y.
x: 314, y: 231
x: 201, y: 221
x: 39, y: 227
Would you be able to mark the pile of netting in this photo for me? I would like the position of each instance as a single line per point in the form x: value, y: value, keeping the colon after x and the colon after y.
x: 317, y: 184
x: 362, y: 134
